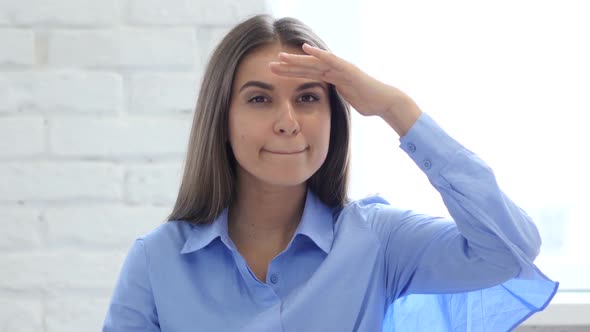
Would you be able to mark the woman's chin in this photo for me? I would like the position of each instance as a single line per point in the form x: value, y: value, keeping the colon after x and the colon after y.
x: 286, y: 180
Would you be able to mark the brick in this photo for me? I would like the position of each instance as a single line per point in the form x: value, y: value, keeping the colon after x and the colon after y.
x: 153, y: 184
x: 103, y: 225
x: 18, y: 47
x: 21, y: 315
x: 54, y: 181
x: 21, y: 228
x: 127, y: 137
x: 21, y: 136
x: 61, y: 13
x: 66, y: 269
x: 163, y: 92
x: 51, y: 91
x: 125, y: 47
x: 75, y: 313
x: 193, y: 12
x: 209, y: 38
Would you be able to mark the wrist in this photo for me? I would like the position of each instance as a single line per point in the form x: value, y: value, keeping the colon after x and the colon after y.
x: 402, y: 113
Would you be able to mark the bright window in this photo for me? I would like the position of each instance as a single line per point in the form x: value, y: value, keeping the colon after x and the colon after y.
x: 509, y: 79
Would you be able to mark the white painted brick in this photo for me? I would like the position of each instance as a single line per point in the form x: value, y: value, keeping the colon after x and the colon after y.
x: 21, y: 227
x: 62, y: 12
x: 66, y: 226
x: 61, y: 91
x: 120, y: 137
x: 125, y: 47
x: 193, y: 12
x: 60, y: 181
x: 73, y: 269
x: 153, y: 184
x: 209, y: 38
x: 104, y: 225
x: 18, y: 47
x: 20, y: 315
x: 76, y: 313
x: 21, y: 136
x: 163, y: 92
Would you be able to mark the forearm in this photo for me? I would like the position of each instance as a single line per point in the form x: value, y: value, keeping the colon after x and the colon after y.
x: 492, y: 239
x: 484, y: 214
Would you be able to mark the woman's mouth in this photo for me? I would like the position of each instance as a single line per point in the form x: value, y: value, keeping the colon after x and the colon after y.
x: 286, y: 152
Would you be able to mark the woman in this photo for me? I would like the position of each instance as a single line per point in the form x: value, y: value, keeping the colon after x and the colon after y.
x: 263, y: 237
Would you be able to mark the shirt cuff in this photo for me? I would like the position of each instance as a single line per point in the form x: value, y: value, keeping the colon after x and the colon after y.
x: 429, y: 146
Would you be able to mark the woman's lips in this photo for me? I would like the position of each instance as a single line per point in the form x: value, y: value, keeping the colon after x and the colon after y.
x: 286, y: 152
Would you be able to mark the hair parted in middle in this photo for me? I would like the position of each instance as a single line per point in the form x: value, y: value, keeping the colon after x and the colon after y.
x: 209, y: 178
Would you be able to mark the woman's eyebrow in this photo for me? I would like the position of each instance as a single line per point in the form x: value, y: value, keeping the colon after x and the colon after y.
x: 259, y: 84
x: 270, y: 87
x: 310, y: 85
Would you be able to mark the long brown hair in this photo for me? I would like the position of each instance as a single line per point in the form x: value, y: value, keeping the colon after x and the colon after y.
x: 208, y: 183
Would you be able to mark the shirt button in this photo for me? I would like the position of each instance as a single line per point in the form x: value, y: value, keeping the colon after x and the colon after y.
x: 411, y: 147
x: 426, y: 164
x: 274, y: 278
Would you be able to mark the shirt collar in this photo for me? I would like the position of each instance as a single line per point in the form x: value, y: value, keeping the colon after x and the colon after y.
x: 316, y: 223
x: 202, y: 235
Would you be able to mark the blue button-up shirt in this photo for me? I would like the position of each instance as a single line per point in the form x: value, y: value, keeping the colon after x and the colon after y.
x: 368, y: 266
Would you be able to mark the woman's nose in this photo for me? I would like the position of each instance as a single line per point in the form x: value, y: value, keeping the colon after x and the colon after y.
x: 287, y: 123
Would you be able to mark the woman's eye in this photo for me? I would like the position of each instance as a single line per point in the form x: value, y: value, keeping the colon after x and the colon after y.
x: 308, y: 98
x: 258, y: 100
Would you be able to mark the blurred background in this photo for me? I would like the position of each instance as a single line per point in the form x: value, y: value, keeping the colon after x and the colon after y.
x: 96, y: 102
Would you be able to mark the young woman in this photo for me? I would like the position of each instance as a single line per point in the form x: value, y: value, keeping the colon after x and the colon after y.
x: 264, y: 238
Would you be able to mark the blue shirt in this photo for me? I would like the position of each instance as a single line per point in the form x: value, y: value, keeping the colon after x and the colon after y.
x: 368, y: 266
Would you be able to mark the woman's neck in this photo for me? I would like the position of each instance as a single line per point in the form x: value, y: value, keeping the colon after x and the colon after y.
x: 264, y: 218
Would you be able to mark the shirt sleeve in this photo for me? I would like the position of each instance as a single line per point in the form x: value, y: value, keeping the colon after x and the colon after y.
x: 466, y: 264
x: 132, y: 307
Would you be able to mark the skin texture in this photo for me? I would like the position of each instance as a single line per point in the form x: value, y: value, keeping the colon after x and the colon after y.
x: 280, y: 137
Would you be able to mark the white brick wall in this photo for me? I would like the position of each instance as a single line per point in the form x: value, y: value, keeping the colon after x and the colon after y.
x: 123, y: 47
x: 61, y: 13
x: 96, y: 102
x: 21, y: 315
x: 18, y: 47
x: 40, y: 89
x: 211, y: 12
x: 22, y: 136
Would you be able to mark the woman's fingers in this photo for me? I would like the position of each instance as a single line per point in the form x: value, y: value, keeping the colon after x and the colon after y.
x: 327, y: 57
x: 319, y: 65
x: 286, y: 69
x: 304, y: 61
x: 321, y: 60
x: 330, y: 76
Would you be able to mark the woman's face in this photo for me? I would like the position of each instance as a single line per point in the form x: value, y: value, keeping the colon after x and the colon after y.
x: 279, y: 127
